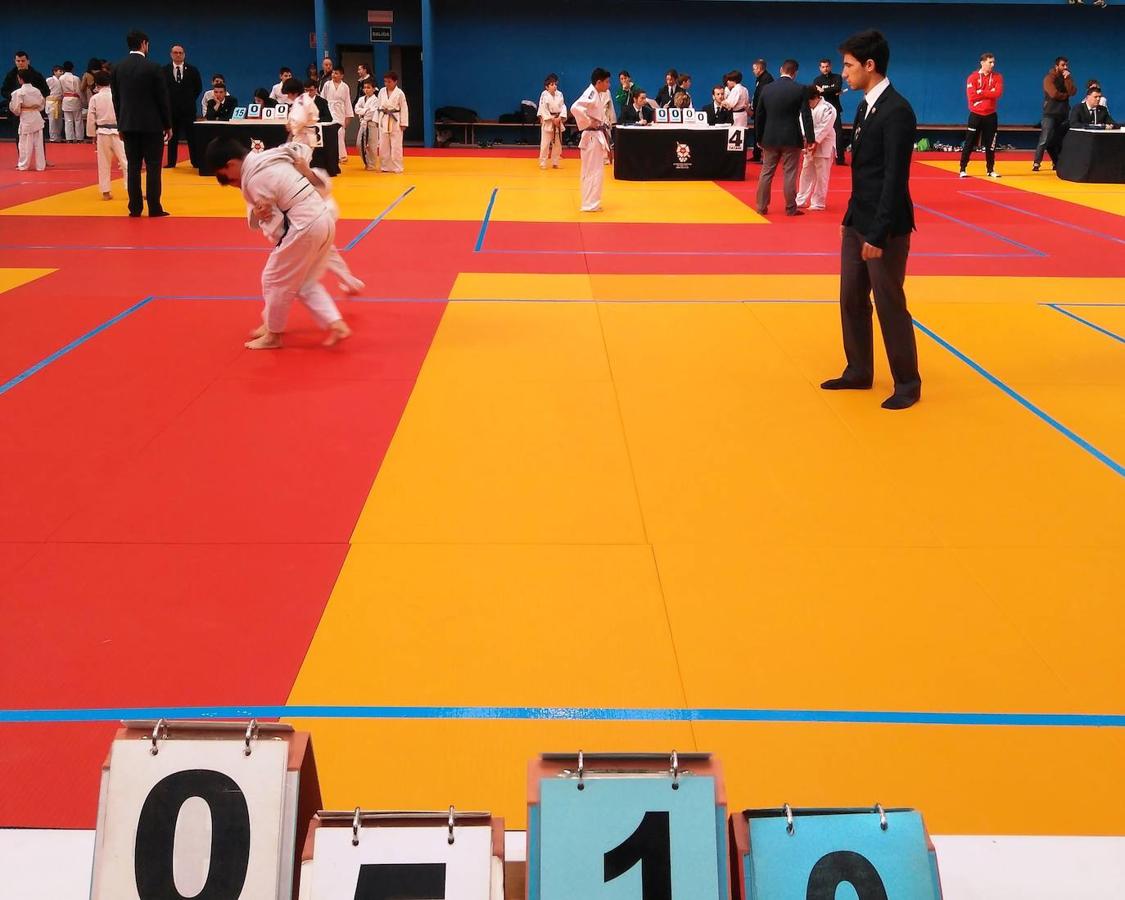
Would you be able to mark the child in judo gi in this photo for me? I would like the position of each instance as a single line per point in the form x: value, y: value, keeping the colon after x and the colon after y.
x: 590, y: 115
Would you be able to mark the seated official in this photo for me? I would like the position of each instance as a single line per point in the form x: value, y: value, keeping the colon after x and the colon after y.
x: 639, y: 112
x: 665, y: 94
x: 717, y: 114
x: 1091, y: 111
x: 263, y: 98
x: 220, y: 107
x: 683, y: 86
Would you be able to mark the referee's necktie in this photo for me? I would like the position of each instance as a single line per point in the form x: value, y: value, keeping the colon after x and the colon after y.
x: 179, y: 74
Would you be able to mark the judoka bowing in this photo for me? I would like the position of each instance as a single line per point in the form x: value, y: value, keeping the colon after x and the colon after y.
x: 590, y: 115
x: 283, y: 201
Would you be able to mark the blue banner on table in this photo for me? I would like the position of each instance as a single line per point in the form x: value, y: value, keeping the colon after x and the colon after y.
x: 807, y: 854
x: 667, y: 153
x: 627, y: 827
x: 262, y: 134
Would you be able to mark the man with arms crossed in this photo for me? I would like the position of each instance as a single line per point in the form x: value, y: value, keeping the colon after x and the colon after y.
x: 877, y: 226
x: 983, y: 89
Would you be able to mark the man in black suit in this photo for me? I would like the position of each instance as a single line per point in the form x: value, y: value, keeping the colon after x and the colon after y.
x: 668, y: 91
x: 220, y: 108
x: 184, y: 85
x: 831, y: 86
x: 1091, y: 111
x: 762, y: 77
x: 783, y: 127
x: 22, y: 69
x: 144, y: 118
x: 717, y: 114
x: 877, y: 226
x: 637, y: 112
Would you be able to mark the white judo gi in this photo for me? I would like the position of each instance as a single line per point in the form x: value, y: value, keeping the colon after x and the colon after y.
x: 54, y: 109
x: 589, y: 114
x: 737, y: 99
x: 394, y: 118
x: 550, y: 144
x: 367, y: 111
x: 305, y: 232
x: 339, y: 99
x: 27, y: 102
x: 302, y: 120
x: 71, y: 88
x: 817, y: 167
x: 101, y: 124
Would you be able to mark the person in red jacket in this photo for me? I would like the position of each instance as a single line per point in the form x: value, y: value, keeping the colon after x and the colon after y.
x: 983, y: 89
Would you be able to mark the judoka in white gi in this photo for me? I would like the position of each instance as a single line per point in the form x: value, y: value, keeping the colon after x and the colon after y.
x: 367, y: 111
x: 303, y: 117
x: 27, y: 103
x: 277, y: 92
x: 283, y: 201
x: 394, y: 119
x: 817, y: 167
x: 589, y: 114
x: 737, y: 99
x: 71, y: 88
x: 101, y: 125
x: 339, y: 98
x: 552, y: 117
x: 54, y: 106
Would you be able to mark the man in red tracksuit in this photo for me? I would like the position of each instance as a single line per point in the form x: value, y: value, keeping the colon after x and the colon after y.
x: 983, y: 89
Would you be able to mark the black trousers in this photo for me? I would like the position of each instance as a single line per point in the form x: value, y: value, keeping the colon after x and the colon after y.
x: 1052, y: 129
x: 181, y: 129
x: 146, y: 147
x: 884, y: 277
x: 839, y: 129
x: 982, y: 128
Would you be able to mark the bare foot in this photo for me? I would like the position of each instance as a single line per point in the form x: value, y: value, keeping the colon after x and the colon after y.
x: 352, y: 287
x: 107, y: 195
x: 258, y: 332
x: 337, y: 331
x: 268, y: 341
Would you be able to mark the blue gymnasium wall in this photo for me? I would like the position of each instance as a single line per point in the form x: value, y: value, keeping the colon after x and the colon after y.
x: 490, y: 54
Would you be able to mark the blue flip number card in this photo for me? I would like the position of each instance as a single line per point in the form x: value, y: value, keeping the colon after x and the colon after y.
x: 628, y: 835
x: 831, y: 854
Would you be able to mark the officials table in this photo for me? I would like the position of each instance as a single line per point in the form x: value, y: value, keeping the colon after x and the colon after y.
x: 676, y: 153
x: 271, y: 134
x: 1093, y: 155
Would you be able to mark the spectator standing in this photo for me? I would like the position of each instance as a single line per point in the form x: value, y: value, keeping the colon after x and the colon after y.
x: 983, y: 90
x: 830, y: 86
x: 762, y: 77
x: 184, y: 85
x: 12, y: 81
x: 665, y: 95
x: 1058, y: 88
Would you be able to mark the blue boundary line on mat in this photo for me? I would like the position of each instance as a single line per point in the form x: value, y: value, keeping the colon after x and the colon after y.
x: 995, y: 234
x: 567, y: 713
x: 1024, y: 402
x: 484, y: 224
x: 77, y: 342
x: 379, y: 218
x: 1059, y: 307
x: 798, y: 253
x: 975, y: 195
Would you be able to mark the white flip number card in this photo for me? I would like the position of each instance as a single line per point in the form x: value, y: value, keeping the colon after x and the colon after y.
x: 269, y: 112
x: 400, y: 855
x: 736, y: 139
x: 662, y: 115
x: 200, y: 810
x: 675, y: 115
x: 282, y: 110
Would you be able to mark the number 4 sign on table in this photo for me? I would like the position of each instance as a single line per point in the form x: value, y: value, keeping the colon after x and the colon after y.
x: 212, y: 810
x: 626, y: 827
x: 806, y: 854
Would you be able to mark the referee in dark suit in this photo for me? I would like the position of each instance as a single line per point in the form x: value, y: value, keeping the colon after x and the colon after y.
x: 877, y: 226
x: 185, y: 84
x: 144, y: 118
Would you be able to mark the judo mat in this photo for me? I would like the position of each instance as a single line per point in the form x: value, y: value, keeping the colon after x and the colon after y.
x: 572, y: 484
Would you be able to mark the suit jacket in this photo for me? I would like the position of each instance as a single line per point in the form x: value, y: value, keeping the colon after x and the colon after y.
x: 140, y: 95
x: 759, y: 85
x: 182, y: 94
x: 722, y: 117
x: 1082, y: 115
x: 782, y: 114
x: 833, y: 86
x: 12, y: 83
x: 629, y: 114
x: 664, y: 96
x: 223, y: 112
x: 882, y: 144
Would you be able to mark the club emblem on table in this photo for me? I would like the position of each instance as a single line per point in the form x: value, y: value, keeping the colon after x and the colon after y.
x: 256, y: 145
x: 683, y: 153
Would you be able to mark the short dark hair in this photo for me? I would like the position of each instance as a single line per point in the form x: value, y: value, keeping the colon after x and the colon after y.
x: 599, y: 74
x: 869, y: 45
x: 683, y: 79
x: 673, y: 73
x: 985, y: 56
x: 221, y: 151
x: 719, y: 87
x: 637, y: 92
x: 292, y: 85
x: 1093, y: 89
x: 812, y: 92
x: 825, y: 60
x: 311, y: 83
x: 336, y: 69
x: 762, y: 63
x: 22, y: 53
x: 101, y: 79
x: 733, y: 75
x: 219, y: 75
x: 68, y: 66
x: 625, y: 73
x: 363, y: 66
x: 1059, y: 59
x: 261, y: 93
x: 222, y: 85
x: 790, y: 66
x: 391, y: 74
x: 284, y: 69
x: 551, y: 77
x: 368, y: 83
x: 135, y: 38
